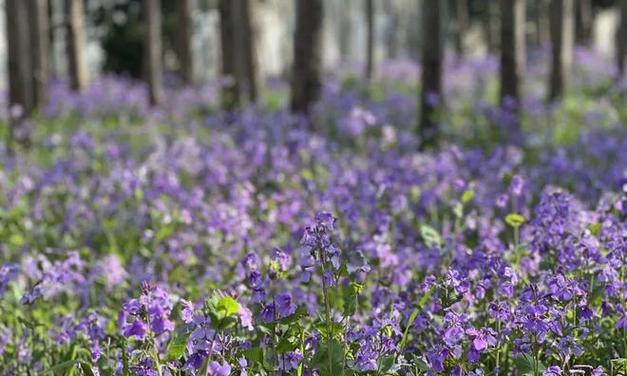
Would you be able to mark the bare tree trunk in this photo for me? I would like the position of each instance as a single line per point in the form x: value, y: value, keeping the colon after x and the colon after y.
x: 185, y: 33
x: 21, y: 97
x: 512, y: 49
x: 230, y: 88
x: 40, y: 49
x: 307, y: 66
x: 541, y: 22
x: 391, y: 32
x: 152, y: 51
x: 584, y: 20
x: 245, y: 31
x: 621, y: 39
x: 369, y: 10
x: 562, y: 28
x: 461, y: 25
x: 432, y: 56
x: 491, y: 25
x: 76, y: 44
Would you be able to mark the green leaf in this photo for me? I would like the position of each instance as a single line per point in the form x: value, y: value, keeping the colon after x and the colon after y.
x: 351, y: 293
x: 329, y: 358
x: 86, y: 368
x: 386, y: 363
x: 176, y: 347
x: 430, y: 235
x: 467, y: 196
x: 228, y: 306
x: 526, y: 365
x: 515, y: 220
x: 412, y: 317
x: 63, y: 366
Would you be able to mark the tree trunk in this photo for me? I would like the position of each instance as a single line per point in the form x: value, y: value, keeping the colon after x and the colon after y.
x: 512, y: 50
x: 491, y: 25
x: 152, y: 51
x: 230, y: 87
x: 562, y: 27
x: 245, y: 30
x: 584, y: 20
x: 369, y: 10
x: 307, y: 66
x: 76, y: 44
x: 621, y: 39
x: 432, y: 56
x: 185, y: 34
x: 21, y: 97
x: 40, y: 49
x: 461, y: 25
x: 541, y: 22
x: 391, y: 29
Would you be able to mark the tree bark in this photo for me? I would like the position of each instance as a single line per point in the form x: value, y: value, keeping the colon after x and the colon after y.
x: 584, y: 20
x: 512, y: 50
x: 621, y: 39
x: 541, y: 22
x: 40, y: 50
x: 230, y: 87
x: 369, y: 10
x: 461, y: 25
x: 432, y: 56
x: 562, y: 28
x: 76, y: 44
x: 307, y: 66
x: 246, y: 30
x: 185, y: 34
x: 491, y: 25
x: 152, y: 51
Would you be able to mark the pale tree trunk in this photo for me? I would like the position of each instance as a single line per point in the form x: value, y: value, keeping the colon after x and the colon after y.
x: 461, y: 25
x: 185, y: 32
x: 40, y: 50
x: 245, y: 27
x: 369, y: 10
x: 584, y: 21
x: 621, y: 39
x: 307, y: 65
x: 562, y: 28
x: 431, y: 80
x: 152, y: 51
x: 76, y: 44
x: 230, y: 87
x: 21, y: 97
x: 512, y: 50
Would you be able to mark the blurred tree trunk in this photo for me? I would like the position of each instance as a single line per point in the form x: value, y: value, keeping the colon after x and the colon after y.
x: 541, y: 22
x: 76, y: 44
x: 230, y: 87
x: 431, y: 80
x: 491, y: 25
x: 512, y: 49
x: 307, y: 65
x: 369, y: 10
x: 562, y: 29
x: 391, y: 32
x: 185, y: 25
x: 584, y: 21
x: 461, y: 25
x: 152, y: 50
x: 40, y: 50
x: 621, y: 39
x: 245, y: 43
x: 21, y: 96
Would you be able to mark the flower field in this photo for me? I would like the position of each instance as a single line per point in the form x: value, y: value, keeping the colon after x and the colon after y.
x: 185, y: 240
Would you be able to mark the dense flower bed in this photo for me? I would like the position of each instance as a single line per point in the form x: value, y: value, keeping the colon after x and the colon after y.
x: 188, y: 241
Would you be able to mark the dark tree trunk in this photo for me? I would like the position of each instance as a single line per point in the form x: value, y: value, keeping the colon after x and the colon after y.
x: 76, y: 44
x: 40, y: 49
x: 369, y: 10
x: 185, y: 33
x: 21, y: 97
x: 621, y: 39
x: 562, y: 27
x: 584, y: 22
x: 391, y: 32
x: 152, y: 50
x: 491, y: 25
x: 432, y: 56
x: 230, y: 88
x: 512, y: 49
x: 461, y: 25
x: 307, y: 66
x: 245, y: 31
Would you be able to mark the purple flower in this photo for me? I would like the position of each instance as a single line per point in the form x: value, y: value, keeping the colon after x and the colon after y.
x: 284, y: 304
x: 217, y: 369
